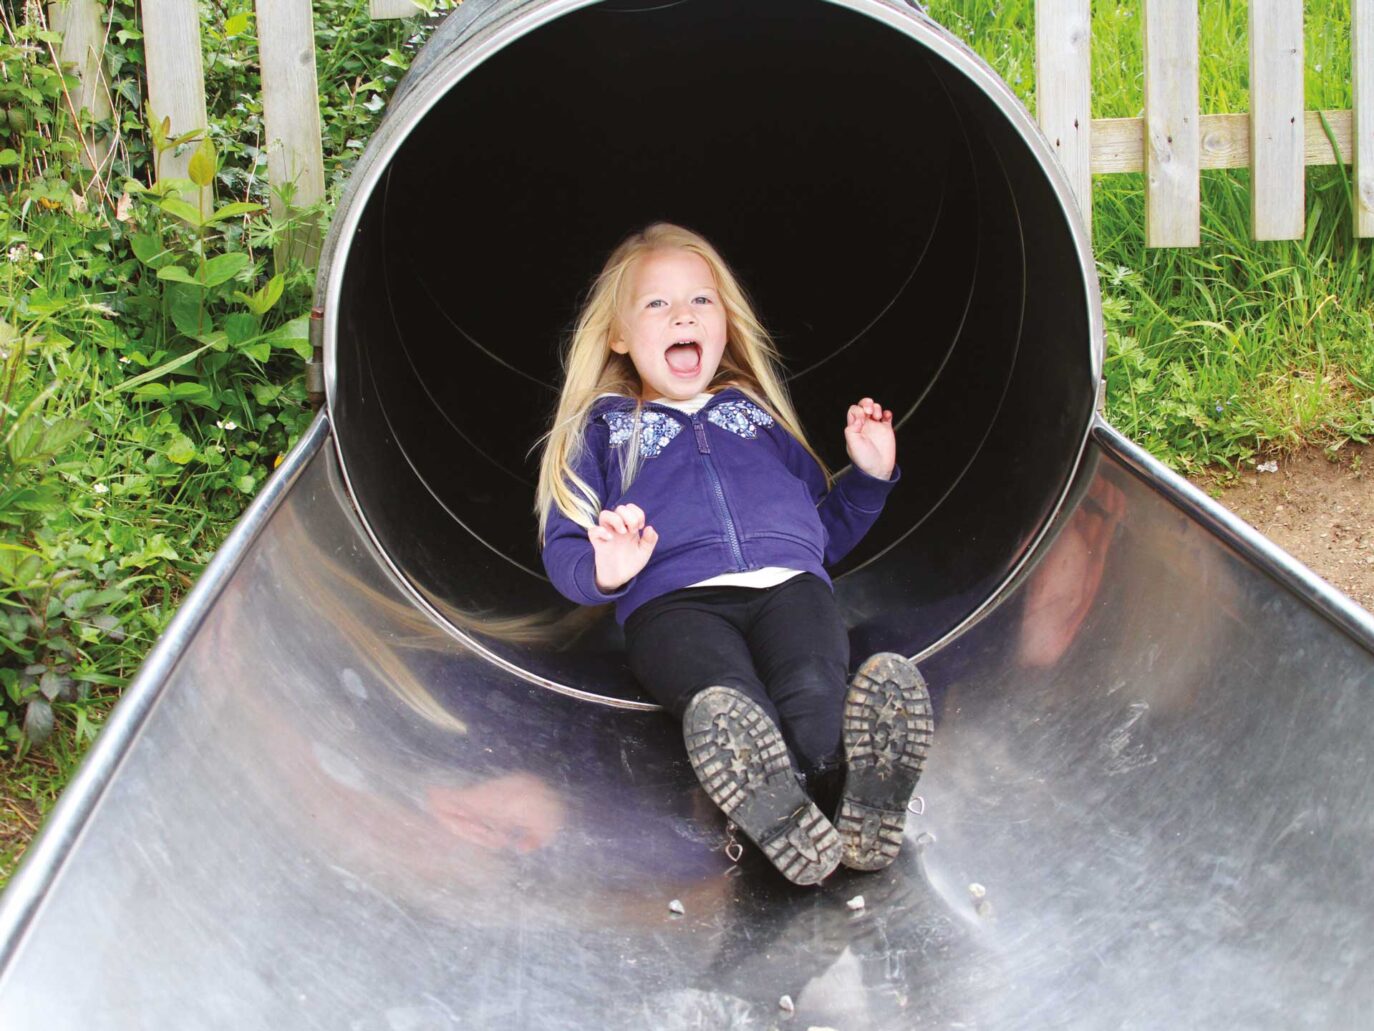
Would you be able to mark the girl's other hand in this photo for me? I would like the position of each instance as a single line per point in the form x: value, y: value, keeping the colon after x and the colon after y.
x: 622, y: 543
x: 870, y: 440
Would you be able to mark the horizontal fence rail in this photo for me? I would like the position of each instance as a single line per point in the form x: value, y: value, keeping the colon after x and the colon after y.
x: 1172, y: 144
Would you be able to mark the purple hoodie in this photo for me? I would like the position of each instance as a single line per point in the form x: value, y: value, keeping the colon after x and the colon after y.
x: 728, y: 490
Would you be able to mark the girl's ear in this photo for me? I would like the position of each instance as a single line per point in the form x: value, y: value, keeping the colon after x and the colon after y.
x: 620, y: 347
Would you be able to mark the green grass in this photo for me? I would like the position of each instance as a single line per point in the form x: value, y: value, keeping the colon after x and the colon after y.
x: 1218, y: 352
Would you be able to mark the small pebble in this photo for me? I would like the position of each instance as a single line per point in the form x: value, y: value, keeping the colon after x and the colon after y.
x: 977, y: 890
x: 787, y: 1005
x: 856, y: 903
x: 677, y: 907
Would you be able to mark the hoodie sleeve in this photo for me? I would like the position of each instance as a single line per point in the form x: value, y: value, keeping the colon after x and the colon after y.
x: 849, y: 508
x: 568, y: 556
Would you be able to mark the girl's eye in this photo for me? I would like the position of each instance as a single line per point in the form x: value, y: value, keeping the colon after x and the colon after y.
x: 655, y: 304
x: 702, y: 300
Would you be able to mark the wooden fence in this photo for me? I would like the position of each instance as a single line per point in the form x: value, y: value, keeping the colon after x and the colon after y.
x: 1172, y: 143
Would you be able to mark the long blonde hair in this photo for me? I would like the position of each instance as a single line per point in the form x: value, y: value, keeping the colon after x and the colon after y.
x: 590, y: 369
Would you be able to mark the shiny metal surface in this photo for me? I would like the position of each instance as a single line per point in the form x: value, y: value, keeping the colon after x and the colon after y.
x: 957, y: 278
x: 1148, y: 806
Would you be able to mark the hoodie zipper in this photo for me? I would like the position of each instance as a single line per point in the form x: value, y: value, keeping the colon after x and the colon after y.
x: 704, y: 449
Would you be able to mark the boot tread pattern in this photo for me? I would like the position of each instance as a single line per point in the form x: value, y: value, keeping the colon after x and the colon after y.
x: 888, y: 729
x: 742, y: 762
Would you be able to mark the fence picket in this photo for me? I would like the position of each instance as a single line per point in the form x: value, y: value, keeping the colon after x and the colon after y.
x: 291, y: 111
x: 1277, y: 139
x: 176, y: 79
x: 1063, y: 90
x: 1172, y: 193
x: 1277, y: 123
x: 393, y: 9
x: 83, y: 50
x: 1362, y: 68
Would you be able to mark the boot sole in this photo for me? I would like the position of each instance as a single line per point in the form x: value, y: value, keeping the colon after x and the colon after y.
x: 888, y: 728
x: 742, y: 762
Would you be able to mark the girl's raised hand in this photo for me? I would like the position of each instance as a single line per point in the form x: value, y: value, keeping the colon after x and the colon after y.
x: 870, y: 440
x: 622, y: 543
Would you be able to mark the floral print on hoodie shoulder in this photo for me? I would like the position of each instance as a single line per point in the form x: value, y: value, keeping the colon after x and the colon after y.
x: 656, y: 430
x: 742, y: 418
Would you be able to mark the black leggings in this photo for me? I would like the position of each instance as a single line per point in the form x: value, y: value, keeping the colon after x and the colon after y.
x: 785, y: 647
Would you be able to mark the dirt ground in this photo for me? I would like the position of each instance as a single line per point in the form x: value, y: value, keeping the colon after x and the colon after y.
x: 1317, y: 509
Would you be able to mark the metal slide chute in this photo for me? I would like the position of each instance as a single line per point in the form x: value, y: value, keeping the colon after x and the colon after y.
x: 376, y: 775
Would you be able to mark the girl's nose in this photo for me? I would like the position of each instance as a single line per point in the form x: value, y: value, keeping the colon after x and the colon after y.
x: 683, y: 315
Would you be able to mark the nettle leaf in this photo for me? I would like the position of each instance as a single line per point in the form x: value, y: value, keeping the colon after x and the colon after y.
x: 237, y: 24
x: 222, y: 268
x: 19, y: 566
x: 34, y: 441
x: 38, y: 721
x: 44, y: 498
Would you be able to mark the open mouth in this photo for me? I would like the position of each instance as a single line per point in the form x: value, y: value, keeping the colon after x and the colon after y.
x: 684, y: 358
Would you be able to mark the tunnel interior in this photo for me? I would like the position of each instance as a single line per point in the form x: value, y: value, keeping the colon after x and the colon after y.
x: 898, y: 235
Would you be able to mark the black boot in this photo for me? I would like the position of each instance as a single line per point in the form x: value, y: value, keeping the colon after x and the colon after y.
x: 739, y: 756
x: 887, y: 733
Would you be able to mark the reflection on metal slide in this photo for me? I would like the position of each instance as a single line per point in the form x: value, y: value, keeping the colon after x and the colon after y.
x: 1147, y: 806
x: 374, y: 777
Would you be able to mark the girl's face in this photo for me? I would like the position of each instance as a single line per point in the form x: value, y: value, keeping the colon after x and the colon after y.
x: 673, y: 324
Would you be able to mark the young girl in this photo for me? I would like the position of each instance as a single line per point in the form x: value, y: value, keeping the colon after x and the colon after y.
x: 676, y: 482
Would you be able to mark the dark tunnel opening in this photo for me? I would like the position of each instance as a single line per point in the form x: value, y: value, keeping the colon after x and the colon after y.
x: 877, y: 191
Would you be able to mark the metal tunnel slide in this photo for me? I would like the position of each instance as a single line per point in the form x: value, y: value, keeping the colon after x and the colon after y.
x: 377, y: 775
x: 1148, y: 805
